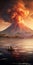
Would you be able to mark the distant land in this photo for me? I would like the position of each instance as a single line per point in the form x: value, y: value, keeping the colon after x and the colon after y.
x: 15, y: 36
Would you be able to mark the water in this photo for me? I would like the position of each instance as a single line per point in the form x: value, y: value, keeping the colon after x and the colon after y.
x: 22, y: 63
x: 21, y: 45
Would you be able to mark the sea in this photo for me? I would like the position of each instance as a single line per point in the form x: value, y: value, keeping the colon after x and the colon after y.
x: 22, y: 47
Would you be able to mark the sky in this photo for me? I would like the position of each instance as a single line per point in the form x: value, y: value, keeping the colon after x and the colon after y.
x: 7, y: 3
x: 7, y: 10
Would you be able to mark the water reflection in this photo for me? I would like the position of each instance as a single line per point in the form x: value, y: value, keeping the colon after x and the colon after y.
x: 21, y: 45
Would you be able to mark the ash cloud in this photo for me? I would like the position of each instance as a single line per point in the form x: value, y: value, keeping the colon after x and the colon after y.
x: 4, y: 6
x: 28, y: 4
x: 8, y: 4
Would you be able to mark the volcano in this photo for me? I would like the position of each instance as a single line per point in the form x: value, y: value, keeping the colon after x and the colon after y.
x: 15, y: 29
x: 18, y: 15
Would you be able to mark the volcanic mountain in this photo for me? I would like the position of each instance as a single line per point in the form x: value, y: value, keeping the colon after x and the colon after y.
x: 17, y: 29
x: 18, y: 15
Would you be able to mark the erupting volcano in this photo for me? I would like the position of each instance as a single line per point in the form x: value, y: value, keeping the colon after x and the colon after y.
x: 20, y: 17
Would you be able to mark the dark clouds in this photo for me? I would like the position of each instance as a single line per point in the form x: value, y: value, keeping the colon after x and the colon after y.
x: 8, y: 4
x: 4, y: 6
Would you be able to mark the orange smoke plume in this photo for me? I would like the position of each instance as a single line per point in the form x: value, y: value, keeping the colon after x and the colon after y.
x: 20, y: 13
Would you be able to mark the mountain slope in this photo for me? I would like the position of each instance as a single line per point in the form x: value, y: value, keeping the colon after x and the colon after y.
x: 15, y: 29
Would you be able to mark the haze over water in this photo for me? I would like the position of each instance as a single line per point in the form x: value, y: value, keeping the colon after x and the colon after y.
x: 21, y: 45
